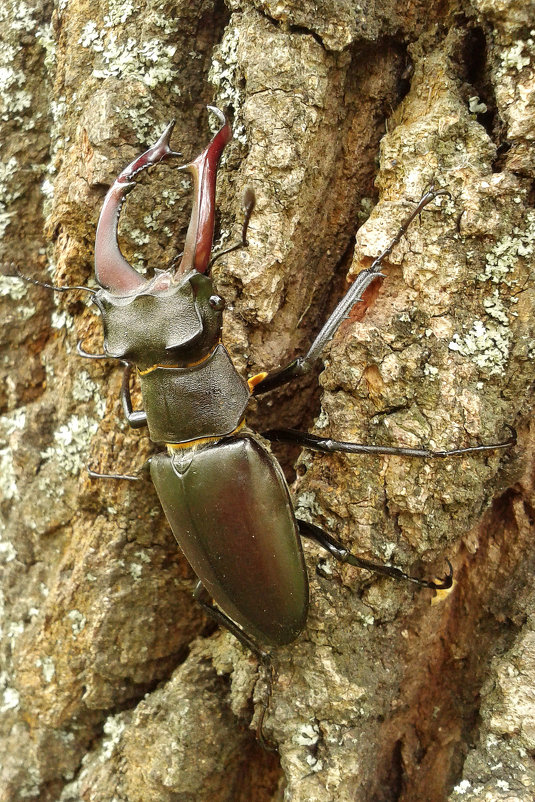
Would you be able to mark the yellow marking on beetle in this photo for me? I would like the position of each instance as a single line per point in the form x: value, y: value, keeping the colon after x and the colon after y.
x: 254, y: 380
x: 201, y: 441
x: 179, y: 367
x: 155, y: 367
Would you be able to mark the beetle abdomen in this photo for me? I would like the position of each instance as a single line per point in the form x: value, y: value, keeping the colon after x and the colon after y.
x: 230, y: 511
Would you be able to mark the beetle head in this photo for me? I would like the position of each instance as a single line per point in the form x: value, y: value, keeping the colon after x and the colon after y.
x: 177, y: 324
x: 175, y: 315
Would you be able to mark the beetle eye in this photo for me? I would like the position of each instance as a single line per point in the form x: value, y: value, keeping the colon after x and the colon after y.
x: 216, y: 302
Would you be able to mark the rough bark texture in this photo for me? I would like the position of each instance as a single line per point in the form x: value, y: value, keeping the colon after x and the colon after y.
x: 113, y: 685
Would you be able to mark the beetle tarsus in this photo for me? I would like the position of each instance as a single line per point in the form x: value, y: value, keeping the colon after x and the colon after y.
x: 343, y: 555
x: 267, y: 745
x: 446, y: 583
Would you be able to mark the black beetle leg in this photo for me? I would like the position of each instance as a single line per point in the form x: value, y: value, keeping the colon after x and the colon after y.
x: 340, y: 553
x: 328, y: 446
x: 301, y: 365
x: 201, y: 595
x: 266, y: 745
x: 210, y: 609
x: 137, y: 418
x: 80, y: 350
x: 131, y: 477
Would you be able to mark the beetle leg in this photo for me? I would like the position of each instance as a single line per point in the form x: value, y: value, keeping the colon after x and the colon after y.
x: 96, y: 475
x: 136, y: 418
x: 328, y: 446
x: 201, y: 595
x: 80, y: 350
x: 265, y: 744
x: 303, y: 364
x: 340, y: 553
x: 136, y: 477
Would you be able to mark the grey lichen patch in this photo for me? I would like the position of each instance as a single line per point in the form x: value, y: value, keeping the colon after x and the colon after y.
x: 16, y: 289
x: 495, y: 309
x: 308, y: 735
x: 58, y: 108
x: 7, y: 550
x: 72, y: 441
x: 85, y: 389
x: 78, y: 622
x: 10, y: 699
x: 14, y: 97
x: 307, y: 506
x: 141, y: 117
x: 135, y: 570
x: 61, y: 319
x: 45, y: 37
x: 15, y: 421
x: 487, y: 344
x: 504, y: 257
x: 8, y: 477
x: 20, y: 31
x: 9, y: 425
x: 120, y: 56
x: 9, y: 190
x: 475, y: 105
x: 515, y: 57
x: 13, y: 287
x: 48, y: 668
x: 226, y: 75
x: 118, y: 12
x: 16, y: 19
x: 114, y: 727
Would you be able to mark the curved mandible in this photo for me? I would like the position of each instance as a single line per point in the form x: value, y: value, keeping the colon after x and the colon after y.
x: 112, y: 271
x: 198, y: 244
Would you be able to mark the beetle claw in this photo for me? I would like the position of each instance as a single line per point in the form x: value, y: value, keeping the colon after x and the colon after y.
x: 514, y: 436
x: 447, y: 582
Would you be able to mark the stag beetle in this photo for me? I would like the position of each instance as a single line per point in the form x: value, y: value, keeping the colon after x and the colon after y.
x: 222, y: 490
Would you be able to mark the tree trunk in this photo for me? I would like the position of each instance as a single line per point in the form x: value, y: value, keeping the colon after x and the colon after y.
x: 113, y: 684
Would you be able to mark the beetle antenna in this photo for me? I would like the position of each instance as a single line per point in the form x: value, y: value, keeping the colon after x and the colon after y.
x: 429, y: 195
x: 248, y: 204
x: 37, y: 283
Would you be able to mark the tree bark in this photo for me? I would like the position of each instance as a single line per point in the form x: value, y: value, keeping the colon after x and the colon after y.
x: 113, y: 686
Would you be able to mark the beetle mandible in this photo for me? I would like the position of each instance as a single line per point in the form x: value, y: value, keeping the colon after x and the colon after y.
x: 222, y: 491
